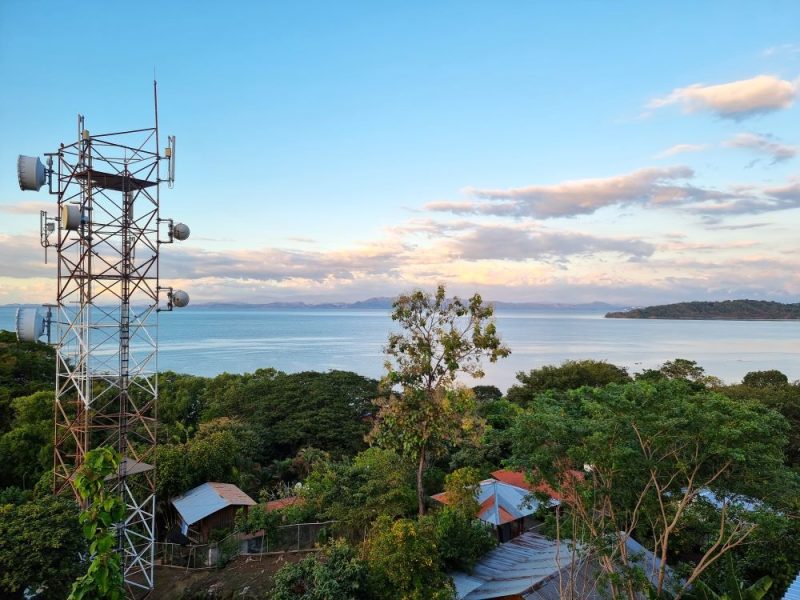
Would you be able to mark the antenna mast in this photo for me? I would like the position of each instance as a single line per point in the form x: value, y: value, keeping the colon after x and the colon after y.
x: 109, y: 233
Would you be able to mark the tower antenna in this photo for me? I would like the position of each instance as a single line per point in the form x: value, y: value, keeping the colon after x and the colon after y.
x: 107, y: 235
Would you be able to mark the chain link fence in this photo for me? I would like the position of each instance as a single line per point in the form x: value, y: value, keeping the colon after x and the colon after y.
x: 301, y: 537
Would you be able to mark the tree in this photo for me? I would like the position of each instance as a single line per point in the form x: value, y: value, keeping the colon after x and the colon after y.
x: 329, y: 411
x: 762, y: 379
x: 681, y: 369
x: 40, y: 547
x: 650, y: 450
x: 404, y: 561
x: 25, y: 368
x: 569, y: 375
x: 461, y: 539
x: 26, y: 449
x: 355, y: 492
x: 222, y: 450
x: 334, y: 574
x: 441, y: 339
x: 103, y: 580
x: 461, y: 487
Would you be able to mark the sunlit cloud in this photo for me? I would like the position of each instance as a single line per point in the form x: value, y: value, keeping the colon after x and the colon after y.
x: 734, y: 100
x: 649, y: 186
x: 681, y: 149
x: 763, y: 144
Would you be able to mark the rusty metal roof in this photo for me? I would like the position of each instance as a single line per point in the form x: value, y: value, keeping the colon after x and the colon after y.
x: 206, y: 499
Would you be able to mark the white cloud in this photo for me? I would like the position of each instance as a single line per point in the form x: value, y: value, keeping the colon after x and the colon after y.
x: 763, y: 144
x: 649, y: 186
x: 681, y: 149
x: 781, y: 49
x: 735, y: 100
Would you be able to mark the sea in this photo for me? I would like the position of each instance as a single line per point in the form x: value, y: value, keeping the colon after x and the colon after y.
x: 210, y: 341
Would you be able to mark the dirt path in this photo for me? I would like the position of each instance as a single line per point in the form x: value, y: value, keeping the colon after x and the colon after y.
x: 245, y: 577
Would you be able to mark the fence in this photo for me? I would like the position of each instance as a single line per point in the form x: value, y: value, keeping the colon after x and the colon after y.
x: 198, y: 556
x: 286, y: 538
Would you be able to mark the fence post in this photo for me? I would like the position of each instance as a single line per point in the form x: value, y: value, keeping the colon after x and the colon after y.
x: 298, y: 537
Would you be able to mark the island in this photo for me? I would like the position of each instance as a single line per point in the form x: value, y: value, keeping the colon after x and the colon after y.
x: 729, y: 310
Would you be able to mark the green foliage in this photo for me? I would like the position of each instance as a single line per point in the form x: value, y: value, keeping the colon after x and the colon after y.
x: 652, y: 448
x: 294, y: 411
x: 462, y: 487
x: 727, y: 309
x: 26, y: 449
x: 486, y: 393
x: 569, y: 375
x: 103, y: 580
x: 762, y: 379
x: 259, y: 518
x: 770, y: 550
x: 222, y: 450
x: 25, y: 368
x: 733, y: 589
x: 355, y: 492
x: 783, y: 398
x: 461, y: 539
x: 683, y: 370
x: 441, y: 338
x: 40, y: 547
x: 335, y: 574
x: 404, y: 561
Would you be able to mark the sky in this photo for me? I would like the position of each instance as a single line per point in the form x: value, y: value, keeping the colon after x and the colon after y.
x: 627, y: 152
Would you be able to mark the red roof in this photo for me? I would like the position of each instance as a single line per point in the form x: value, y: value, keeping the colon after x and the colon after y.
x: 282, y: 503
x: 517, y: 478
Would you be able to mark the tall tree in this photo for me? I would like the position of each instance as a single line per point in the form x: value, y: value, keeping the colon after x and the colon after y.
x: 650, y: 452
x: 441, y: 339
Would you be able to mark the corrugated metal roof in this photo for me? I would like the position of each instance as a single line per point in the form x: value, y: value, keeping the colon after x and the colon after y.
x: 793, y: 593
x: 540, y: 568
x: 500, y: 502
x: 512, y: 568
x: 208, y: 498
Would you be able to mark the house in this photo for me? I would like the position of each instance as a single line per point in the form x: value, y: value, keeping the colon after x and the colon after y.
x: 208, y: 507
x: 507, y: 508
x: 532, y: 567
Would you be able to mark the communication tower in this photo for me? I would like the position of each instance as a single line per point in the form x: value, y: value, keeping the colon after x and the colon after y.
x: 107, y: 233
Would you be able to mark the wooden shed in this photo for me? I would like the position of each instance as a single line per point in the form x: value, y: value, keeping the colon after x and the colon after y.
x: 208, y: 507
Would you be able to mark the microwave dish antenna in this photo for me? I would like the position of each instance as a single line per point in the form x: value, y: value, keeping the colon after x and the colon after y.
x: 31, y: 173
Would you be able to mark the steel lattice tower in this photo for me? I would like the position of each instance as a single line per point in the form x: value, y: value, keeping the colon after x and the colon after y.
x: 108, y: 235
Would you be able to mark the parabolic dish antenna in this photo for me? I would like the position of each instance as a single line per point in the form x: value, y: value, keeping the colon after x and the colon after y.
x: 30, y: 324
x: 30, y: 173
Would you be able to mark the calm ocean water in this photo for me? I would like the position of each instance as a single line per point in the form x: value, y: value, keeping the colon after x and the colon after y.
x: 209, y: 342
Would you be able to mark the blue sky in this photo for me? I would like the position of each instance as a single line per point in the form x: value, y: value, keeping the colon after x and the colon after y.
x: 630, y: 152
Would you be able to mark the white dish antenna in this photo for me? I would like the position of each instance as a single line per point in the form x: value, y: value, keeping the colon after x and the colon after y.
x: 31, y: 324
x: 71, y: 217
x: 181, y: 231
x: 30, y: 173
x: 179, y: 298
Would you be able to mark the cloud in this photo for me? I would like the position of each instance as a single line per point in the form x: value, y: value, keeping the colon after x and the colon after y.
x: 763, y: 144
x: 781, y: 49
x: 736, y: 100
x: 521, y: 244
x: 759, y: 201
x: 681, y: 149
x: 27, y: 207
x: 650, y: 186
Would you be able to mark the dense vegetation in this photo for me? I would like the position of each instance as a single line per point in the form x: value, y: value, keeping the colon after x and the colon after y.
x: 702, y: 473
x: 732, y: 310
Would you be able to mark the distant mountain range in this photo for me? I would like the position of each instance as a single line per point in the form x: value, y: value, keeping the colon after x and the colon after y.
x: 731, y: 310
x: 386, y: 303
